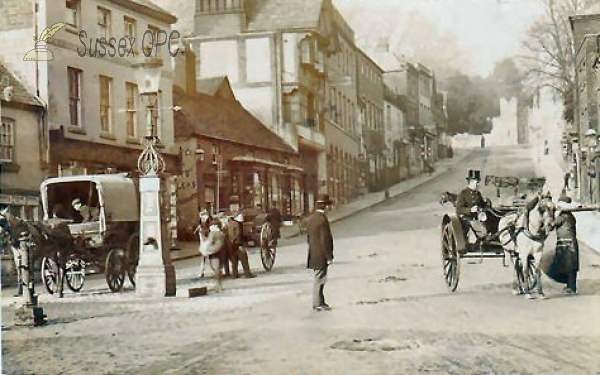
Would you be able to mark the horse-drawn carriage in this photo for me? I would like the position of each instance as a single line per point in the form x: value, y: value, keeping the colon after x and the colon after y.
x: 517, y: 230
x: 109, y: 241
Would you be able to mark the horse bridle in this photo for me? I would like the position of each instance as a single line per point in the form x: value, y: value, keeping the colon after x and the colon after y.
x: 539, y: 237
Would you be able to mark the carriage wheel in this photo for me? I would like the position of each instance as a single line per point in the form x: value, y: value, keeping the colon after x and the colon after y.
x: 50, y: 274
x: 450, y: 257
x: 268, y: 248
x: 75, y: 274
x: 133, y: 256
x: 115, y: 269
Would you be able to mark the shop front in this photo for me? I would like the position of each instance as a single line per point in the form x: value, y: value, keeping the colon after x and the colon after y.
x: 266, y: 184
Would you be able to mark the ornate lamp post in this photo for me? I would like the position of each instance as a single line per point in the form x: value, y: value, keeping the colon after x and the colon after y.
x: 154, y: 268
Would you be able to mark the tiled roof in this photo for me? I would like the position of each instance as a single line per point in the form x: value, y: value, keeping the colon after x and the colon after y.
x: 21, y: 95
x: 211, y: 85
x: 214, y: 117
x: 282, y: 14
x: 260, y: 14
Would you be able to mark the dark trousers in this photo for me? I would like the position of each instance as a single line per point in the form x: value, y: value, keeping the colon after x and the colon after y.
x: 320, y: 278
x: 572, y: 281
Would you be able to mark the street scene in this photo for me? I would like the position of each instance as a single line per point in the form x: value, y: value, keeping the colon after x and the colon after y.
x: 299, y: 187
x: 391, y: 311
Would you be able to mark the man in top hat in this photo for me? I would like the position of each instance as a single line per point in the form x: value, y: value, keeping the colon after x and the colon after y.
x: 320, y: 250
x: 470, y: 201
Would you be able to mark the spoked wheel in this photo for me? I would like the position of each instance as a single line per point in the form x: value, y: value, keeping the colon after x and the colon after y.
x: 133, y: 255
x: 50, y: 274
x: 268, y: 247
x: 450, y: 257
x: 115, y: 269
x: 75, y: 274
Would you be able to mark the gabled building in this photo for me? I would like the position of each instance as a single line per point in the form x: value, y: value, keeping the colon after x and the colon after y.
x: 21, y: 147
x: 277, y: 57
x: 227, y: 152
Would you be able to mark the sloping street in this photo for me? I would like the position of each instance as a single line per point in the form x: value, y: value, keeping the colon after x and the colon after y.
x: 391, y: 312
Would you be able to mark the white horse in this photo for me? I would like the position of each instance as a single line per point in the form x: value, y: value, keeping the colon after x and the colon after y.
x: 522, y: 235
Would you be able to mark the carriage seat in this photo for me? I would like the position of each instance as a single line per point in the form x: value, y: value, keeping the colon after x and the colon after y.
x: 91, y: 227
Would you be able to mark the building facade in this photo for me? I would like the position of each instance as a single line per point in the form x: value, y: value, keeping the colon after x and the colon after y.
x: 583, y: 139
x: 293, y: 67
x: 21, y: 138
x: 371, y: 103
x: 95, y: 117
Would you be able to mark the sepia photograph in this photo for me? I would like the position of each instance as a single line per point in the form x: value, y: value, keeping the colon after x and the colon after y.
x: 302, y: 187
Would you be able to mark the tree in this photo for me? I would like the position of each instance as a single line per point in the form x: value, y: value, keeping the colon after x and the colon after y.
x: 507, y: 79
x: 549, y: 57
x: 472, y: 102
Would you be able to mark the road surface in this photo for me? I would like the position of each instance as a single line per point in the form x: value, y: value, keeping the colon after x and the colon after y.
x: 392, y: 313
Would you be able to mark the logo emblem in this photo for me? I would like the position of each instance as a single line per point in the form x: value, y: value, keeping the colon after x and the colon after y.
x: 41, y: 51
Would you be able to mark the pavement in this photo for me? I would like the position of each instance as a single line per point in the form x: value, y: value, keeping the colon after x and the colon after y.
x: 554, y: 168
x: 190, y: 249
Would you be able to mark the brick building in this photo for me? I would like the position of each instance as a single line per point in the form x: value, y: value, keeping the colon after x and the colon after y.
x: 225, y: 152
x: 586, y: 36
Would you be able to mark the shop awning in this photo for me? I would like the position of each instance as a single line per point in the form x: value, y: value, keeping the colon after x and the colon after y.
x: 268, y: 163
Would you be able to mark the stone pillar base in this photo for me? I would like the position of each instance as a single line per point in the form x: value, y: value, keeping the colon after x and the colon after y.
x: 170, y: 281
x: 150, y: 281
x: 30, y: 316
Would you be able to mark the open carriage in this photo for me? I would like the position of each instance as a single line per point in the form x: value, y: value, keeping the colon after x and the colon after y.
x: 109, y: 241
x: 461, y: 238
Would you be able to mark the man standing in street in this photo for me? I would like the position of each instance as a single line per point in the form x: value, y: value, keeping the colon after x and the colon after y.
x: 567, y: 247
x: 320, y: 250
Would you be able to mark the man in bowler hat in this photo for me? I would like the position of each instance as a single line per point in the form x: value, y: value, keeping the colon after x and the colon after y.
x: 470, y: 201
x: 320, y: 250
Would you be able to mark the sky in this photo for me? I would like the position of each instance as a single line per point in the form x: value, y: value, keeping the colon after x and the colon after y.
x: 468, y: 36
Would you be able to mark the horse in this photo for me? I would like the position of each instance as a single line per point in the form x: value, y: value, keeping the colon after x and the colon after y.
x: 523, y: 234
x: 448, y: 197
x: 49, y: 239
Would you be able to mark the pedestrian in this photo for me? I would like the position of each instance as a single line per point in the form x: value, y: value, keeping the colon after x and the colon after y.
x: 235, y: 235
x: 567, y: 247
x: 275, y: 219
x: 320, y: 250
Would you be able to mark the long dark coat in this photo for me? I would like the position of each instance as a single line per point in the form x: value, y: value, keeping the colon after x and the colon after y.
x: 466, y: 199
x: 320, y: 241
x: 568, y: 252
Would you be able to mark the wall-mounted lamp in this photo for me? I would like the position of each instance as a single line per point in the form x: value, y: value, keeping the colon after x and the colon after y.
x: 200, y: 154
